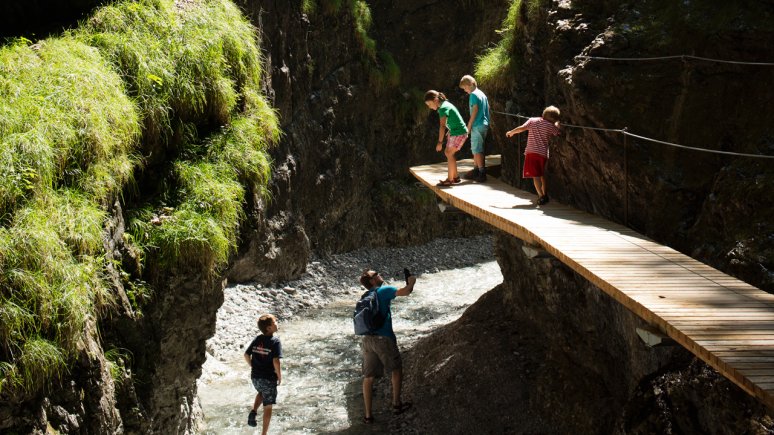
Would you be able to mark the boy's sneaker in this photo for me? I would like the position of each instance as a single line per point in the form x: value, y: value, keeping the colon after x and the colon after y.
x: 481, y: 178
x: 543, y: 200
x: 471, y: 175
x: 251, y: 419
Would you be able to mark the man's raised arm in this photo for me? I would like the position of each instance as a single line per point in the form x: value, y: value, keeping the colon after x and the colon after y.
x: 405, y: 291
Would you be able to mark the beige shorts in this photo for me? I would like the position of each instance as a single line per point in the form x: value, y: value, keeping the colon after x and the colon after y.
x: 379, y: 353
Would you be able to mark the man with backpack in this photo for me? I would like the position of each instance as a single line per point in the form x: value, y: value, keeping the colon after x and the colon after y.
x: 380, y: 346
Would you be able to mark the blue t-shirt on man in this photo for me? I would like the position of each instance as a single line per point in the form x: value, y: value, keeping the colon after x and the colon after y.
x: 386, y: 294
x: 477, y: 98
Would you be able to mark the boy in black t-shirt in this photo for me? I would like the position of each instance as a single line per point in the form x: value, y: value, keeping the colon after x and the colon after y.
x: 263, y: 354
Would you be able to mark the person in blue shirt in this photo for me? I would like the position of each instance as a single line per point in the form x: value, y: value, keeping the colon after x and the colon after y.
x: 380, y: 351
x: 478, y: 125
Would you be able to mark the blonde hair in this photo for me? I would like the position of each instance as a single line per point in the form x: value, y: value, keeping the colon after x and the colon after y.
x: 468, y: 80
x: 551, y: 113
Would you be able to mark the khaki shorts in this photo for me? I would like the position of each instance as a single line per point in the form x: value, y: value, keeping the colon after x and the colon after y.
x: 379, y: 353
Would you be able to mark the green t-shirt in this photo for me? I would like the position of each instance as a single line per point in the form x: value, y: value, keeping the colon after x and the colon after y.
x: 453, y: 119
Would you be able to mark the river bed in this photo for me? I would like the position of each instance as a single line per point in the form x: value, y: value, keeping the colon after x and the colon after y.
x: 321, y: 389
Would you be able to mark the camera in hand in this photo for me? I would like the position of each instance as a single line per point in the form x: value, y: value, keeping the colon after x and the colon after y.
x: 406, y: 274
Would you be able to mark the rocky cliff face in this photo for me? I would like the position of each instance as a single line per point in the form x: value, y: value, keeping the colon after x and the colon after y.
x: 562, y: 355
x: 341, y: 176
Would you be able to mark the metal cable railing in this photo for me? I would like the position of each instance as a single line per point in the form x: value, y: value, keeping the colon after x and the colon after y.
x: 627, y: 133
x: 678, y: 56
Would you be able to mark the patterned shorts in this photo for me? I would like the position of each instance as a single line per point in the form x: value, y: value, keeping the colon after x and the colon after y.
x: 455, y: 142
x: 267, y: 388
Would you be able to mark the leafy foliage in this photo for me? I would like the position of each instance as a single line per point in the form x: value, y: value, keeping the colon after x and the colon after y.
x: 62, y: 112
x: 74, y: 111
x: 497, y: 66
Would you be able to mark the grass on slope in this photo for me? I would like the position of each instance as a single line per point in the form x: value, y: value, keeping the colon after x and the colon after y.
x: 76, y: 112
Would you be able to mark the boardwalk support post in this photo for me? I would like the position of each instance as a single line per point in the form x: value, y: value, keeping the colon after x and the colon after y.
x: 626, y: 178
x: 534, y: 251
x: 653, y: 338
x: 448, y: 208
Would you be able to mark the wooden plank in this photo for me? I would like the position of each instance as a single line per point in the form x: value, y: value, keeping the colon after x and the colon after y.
x: 725, y: 352
x: 712, y: 326
x: 735, y: 335
x: 752, y: 365
x: 761, y: 372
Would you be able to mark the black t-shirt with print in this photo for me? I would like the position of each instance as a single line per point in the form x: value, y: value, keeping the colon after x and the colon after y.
x: 262, y: 352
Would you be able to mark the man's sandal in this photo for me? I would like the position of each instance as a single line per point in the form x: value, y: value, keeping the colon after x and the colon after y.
x: 400, y: 409
x: 444, y: 183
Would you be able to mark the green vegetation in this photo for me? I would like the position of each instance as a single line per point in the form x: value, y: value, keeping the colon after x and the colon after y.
x: 496, y: 67
x: 117, y: 360
x: 67, y: 134
x: 64, y: 119
x: 203, y: 225
x: 76, y: 113
x: 183, y: 64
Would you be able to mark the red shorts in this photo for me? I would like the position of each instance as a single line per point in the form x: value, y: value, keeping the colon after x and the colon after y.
x: 534, y: 165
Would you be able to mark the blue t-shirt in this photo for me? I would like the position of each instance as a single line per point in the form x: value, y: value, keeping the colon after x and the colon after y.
x: 477, y: 98
x: 262, y: 352
x: 386, y: 294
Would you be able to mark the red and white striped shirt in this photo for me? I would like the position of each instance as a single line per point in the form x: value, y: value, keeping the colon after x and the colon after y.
x: 539, y: 132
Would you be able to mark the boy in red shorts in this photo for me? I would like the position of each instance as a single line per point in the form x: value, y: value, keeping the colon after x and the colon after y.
x: 536, y: 154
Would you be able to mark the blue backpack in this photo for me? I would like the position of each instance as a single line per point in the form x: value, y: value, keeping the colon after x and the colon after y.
x: 367, y: 316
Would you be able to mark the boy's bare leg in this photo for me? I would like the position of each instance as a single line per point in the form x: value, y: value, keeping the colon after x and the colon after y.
x: 478, y: 159
x: 397, y: 379
x: 258, y: 401
x: 538, y: 182
x: 368, y: 383
x: 266, y: 418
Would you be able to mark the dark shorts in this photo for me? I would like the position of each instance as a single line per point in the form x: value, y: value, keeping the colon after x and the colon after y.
x: 534, y: 165
x: 380, y: 354
x: 267, y: 389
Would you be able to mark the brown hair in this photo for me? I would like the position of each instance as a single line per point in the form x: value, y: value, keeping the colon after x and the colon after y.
x: 431, y: 95
x: 551, y: 113
x: 365, y: 278
x: 265, y: 321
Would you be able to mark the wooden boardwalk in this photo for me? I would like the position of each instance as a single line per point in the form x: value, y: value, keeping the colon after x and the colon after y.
x: 722, y: 320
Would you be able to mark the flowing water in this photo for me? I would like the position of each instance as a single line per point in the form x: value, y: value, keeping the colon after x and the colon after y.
x: 321, y: 388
